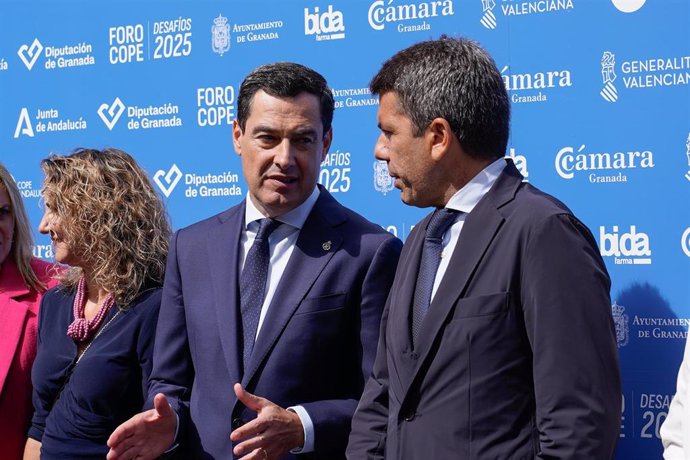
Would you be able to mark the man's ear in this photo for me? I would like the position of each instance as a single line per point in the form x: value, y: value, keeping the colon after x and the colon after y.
x: 236, y: 136
x: 439, y: 136
x: 327, y: 139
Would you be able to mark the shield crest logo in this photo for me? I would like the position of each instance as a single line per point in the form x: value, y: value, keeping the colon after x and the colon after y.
x: 220, y: 35
x: 620, y: 320
x: 383, y: 182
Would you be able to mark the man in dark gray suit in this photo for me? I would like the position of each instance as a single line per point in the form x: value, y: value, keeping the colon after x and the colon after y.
x: 497, y: 340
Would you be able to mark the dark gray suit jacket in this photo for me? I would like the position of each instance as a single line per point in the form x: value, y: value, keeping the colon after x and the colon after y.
x: 517, y: 356
x: 317, y: 343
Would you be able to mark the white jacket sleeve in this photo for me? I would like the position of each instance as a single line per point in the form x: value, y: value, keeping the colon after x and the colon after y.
x: 675, y: 432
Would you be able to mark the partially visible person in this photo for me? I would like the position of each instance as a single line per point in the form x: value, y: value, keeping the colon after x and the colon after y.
x: 96, y: 330
x: 675, y: 432
x: 23, y: 279
x: 497, y: 340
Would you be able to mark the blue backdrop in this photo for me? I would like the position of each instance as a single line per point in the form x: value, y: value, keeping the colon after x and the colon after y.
x: 600, y: 94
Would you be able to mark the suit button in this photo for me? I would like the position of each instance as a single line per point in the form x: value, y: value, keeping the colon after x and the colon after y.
x: 409, y: 415
x: 236, y: 423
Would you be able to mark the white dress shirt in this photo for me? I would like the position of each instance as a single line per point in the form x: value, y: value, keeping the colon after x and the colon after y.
x: 464, y: 200
x: 281, y: 243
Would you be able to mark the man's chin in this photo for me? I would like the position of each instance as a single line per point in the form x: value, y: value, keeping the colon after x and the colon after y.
x: 276, y: 203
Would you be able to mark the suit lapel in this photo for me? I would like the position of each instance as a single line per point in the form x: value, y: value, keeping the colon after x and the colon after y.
x: 480, y: 228
x: 398, y: 330
x: 223, y: 254
x: 14, y: 315
x: 403, y: 294
x: 318, y: 240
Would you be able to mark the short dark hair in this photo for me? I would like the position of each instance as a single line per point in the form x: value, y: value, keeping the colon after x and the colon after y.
x: 454, y: 79
x: 285, y: 79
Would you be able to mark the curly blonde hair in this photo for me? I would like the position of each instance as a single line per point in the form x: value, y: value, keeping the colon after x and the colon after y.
x: 23, y: 238
x: 112, y: 218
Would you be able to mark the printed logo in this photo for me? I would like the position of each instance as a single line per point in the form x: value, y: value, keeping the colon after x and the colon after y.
x: 29, y: 54
x: 198, y: 185
x: 601, y: 167
x: 220, y: 35
x: 685, y: 241
x: 3, y: 65
x: 167, y: 180
x: 57, y: 57
x: 534, y: 87
x: 630, y: 248
x: 110, y: 114
x: 24, y: 124
x: 383, y: 182
x: 257, y: 31
x: 148, y: 117
x: 126, y: 44
x: 43, y: 251
x: 215, y: 105
x: 326, y: 26
x: 46, y: 121
x: 382, y: 13
x: 354, y: 97
x: 167, y: 39
x: 27, y: 189
x: 519, y: 8
x: 628, y: 6
x: 687, y: 154
x: 488, y: 19
x: 620, y: 320
x: 334, y: 174
x: 520, y: 163
x: 609, y: 92
x: 642, y: 74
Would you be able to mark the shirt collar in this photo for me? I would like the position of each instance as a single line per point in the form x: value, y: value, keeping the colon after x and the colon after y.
x: 468, y: 196
x: 295, y: 217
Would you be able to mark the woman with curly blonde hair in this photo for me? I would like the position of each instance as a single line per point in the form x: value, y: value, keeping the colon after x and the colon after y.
x: 23, y: 279
x: 96, y: 331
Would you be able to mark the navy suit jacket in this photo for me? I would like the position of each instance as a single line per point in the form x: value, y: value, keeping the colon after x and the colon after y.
x: 317, y: 343
x: 517, y: 357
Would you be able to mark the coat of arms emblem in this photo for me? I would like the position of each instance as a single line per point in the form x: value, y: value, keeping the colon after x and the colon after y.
x: 620, y: 320
x: 383, y: 182
x: 220, y: 35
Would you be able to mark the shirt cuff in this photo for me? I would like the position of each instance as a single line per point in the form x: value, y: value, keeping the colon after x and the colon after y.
x: 175, y: 441
x: 307, y: 426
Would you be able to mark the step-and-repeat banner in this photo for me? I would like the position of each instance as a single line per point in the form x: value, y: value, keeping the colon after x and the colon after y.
x: 600, y: 93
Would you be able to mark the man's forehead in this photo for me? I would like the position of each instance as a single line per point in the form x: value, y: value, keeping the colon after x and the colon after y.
x: 303, y: 99
x: 390, y: 105
x: 300, y: 113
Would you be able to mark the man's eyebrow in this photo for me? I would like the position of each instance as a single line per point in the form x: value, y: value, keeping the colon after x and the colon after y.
x: 263, y: 128
x: 307, y: 130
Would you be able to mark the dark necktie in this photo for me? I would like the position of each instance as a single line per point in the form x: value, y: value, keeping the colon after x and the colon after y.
x: 431, y: 257
x: 253, y: 285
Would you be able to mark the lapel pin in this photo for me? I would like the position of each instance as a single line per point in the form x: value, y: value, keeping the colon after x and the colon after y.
x: 327, y: 245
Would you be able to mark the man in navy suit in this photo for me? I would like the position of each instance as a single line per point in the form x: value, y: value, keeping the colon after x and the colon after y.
x: 313, y: 342
x: 497, y: 338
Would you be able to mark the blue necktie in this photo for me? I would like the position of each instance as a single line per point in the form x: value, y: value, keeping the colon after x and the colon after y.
x: 431, y: 257
x: 253, y: 285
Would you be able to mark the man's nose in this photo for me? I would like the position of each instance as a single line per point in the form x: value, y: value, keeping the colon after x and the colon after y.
x: 381, y: 150
x: 285, y: 154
